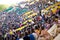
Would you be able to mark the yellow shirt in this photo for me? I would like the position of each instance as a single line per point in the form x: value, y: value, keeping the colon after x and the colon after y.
x: 11, y: 32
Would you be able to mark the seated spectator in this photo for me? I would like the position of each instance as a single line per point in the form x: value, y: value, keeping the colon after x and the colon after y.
x: 21, y: 36
x: 26, y: 36
x: 45, y: 34
x: 32, y: 37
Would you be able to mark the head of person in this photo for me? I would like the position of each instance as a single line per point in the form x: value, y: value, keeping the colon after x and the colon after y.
x: 42, y: 28
x: 37, y: 30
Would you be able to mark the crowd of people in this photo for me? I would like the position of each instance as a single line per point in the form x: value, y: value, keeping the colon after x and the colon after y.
x: 36, y: 31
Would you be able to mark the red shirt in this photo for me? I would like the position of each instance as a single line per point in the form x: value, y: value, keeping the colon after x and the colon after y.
x: 39, y: 18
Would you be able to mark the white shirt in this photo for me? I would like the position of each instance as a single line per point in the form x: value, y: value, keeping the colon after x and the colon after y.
x: 35, y: 35
x: 21, y: 39
x: 32, y: 22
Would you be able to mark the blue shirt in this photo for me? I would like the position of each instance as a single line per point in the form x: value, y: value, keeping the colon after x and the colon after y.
x: 31, y: 37
x: 17, y: 39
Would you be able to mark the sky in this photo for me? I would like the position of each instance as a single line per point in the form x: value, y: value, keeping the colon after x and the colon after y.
x: 9, y: 2
x: 12, y: 1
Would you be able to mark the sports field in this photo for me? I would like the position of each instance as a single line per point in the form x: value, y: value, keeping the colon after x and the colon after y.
x: 2, y: 7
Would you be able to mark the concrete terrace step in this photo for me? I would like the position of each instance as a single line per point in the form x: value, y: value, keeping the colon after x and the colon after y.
x: 57, y: 37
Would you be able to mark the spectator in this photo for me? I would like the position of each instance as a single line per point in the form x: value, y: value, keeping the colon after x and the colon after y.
x: 45, y: 34
x: 31, y: 37
x: 26, y: 36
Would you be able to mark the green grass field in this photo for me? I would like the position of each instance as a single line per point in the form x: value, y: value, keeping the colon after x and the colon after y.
x: 2, y: 7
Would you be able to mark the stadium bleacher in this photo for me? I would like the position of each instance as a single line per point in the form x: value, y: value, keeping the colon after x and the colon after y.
x: 29, y: 25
